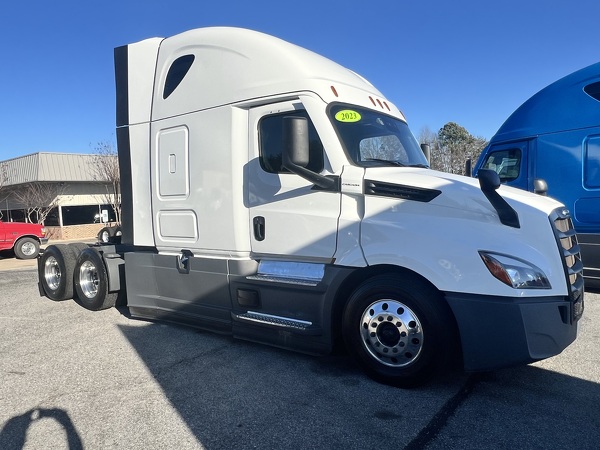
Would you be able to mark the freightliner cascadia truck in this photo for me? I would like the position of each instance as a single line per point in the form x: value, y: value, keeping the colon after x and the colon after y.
x: 276, y: 196
x: 551, y: 145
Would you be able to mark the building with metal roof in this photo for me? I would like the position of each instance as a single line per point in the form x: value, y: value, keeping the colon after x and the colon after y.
x: 68, y: 193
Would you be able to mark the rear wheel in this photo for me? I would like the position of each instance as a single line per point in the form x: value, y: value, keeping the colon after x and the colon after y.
x: 56, y: 272
x: 77, y: 247
x: 104, y: 235
x: 91, y: 281
x: 27, y: 248
x: 399, y: 329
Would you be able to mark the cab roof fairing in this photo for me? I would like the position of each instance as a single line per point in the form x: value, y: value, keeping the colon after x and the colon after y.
x: 234, y: 65
x: 560, y: 106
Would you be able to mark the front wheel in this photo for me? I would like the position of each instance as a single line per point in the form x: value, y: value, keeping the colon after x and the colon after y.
x: 27, y: 248
x: 91, y: 281
x: 399, y: 329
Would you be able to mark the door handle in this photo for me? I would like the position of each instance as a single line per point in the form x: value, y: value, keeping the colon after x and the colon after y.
x: 183, y: 261
x: 259, y: 228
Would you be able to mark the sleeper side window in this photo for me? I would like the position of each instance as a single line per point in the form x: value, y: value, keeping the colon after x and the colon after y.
x: 593, y: 90
x: 506, y: 163
x: 177, y: 73
x: 270, y: 129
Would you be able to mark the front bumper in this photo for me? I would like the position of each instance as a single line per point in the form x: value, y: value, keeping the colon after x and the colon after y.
x: 44, y: 240
x: 499, y: 332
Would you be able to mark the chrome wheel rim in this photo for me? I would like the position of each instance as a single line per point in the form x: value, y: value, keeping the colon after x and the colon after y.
x: 88, y: 279
x: 52, y: 273
x: 28, y: 248
x: 392, y: 333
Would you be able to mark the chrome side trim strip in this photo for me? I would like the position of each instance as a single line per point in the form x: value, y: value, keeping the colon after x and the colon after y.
x: 274, y: 320
x: 306, y: 274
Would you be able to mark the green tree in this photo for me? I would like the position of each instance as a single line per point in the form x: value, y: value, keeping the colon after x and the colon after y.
x: 456, y: 145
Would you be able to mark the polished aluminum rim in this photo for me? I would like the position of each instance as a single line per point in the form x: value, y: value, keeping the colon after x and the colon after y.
x: 392, y: 333
x: 52, y: 273
x: 88, y: 279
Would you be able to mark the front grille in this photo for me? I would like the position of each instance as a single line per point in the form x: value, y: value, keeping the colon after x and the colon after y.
x: 569, y: 248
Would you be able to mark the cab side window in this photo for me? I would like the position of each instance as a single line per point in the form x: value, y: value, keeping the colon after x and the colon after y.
x: 506, y: 163
x: 270, y: 129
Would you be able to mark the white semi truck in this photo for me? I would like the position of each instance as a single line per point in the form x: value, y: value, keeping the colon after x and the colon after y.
x: 272, y: 194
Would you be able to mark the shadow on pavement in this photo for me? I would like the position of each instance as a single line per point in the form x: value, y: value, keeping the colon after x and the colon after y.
x: 14, y: 433
x: 234, y: 394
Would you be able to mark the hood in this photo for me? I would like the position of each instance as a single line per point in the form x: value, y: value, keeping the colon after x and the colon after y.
x: 458, y: 193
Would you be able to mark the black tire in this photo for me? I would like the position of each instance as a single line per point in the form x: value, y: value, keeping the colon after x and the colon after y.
x: 399, y: 329
x: 77, y: 248
x: 91, y: 281
x: 27, y: 248
x: 105, y: 235
x: 56, y: 272
x: 117, y: 235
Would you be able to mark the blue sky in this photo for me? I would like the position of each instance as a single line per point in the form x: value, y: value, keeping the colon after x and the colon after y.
x: 464, y: 61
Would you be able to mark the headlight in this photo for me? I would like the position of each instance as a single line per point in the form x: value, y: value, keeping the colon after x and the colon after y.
x: 514, y: 272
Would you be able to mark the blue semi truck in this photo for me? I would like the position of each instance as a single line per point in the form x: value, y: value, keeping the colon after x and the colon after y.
x: 551, y: 145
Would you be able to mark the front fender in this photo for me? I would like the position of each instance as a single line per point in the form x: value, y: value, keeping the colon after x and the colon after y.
x: 442, y: 245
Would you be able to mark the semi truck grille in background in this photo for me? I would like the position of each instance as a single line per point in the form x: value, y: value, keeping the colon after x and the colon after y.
x: 569, y: 248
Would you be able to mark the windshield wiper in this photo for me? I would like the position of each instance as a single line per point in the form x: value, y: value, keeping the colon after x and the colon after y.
x: 387, y: 161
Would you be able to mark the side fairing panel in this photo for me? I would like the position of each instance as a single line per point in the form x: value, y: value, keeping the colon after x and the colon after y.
x: 197, y: 183
x: 158, y: 288
x: 134, y: 163
x: 135, y: 65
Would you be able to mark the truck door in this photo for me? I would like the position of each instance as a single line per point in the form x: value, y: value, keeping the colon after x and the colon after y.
x: 510, y: 162
x: 289, y: 217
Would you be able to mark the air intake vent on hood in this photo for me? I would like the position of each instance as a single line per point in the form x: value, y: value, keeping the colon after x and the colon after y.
x: 400, y: 191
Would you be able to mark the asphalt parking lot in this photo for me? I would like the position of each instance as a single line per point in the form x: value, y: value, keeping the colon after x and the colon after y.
x: 70, y: 378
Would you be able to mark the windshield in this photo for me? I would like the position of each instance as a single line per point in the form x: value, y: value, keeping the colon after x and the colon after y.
x: 374, y: 139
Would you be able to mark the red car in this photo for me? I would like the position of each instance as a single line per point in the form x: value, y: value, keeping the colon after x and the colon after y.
x: 23, y: 238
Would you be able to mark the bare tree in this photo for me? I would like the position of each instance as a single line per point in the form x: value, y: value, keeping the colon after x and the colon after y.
x: 438, y: 160
x: 38, y: 199
x: 3, y: 183
x: 106, y: 169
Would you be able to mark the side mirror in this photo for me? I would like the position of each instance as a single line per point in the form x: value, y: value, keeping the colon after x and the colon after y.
x: 469, y: 167
x: 540, y: 186
x: 295, y: 142
x: 426, y: 149
x: 489, y: 180
x: 296, y: 152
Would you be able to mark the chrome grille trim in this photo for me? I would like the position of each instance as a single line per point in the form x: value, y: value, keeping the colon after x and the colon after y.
x: 566, y: 239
